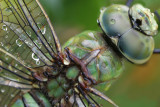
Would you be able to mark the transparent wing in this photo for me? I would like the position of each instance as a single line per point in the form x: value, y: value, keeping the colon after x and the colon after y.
x: 27, y: 41
x: 7, y: 95
x: 29, y: 27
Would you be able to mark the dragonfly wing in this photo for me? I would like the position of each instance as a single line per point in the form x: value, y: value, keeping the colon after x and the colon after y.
x: 27, y: 41
x: 8, y: 95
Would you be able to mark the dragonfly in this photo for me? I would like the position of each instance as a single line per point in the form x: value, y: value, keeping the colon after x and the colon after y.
x: 36, y: 71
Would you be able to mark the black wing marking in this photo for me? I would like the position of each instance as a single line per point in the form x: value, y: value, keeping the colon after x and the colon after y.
x: 27, y: 41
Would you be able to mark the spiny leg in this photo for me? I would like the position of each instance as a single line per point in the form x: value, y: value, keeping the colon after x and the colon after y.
x: 82, y: 100
x: 82, y: 63
x: 158, y: 16
x: 85, y: 97
x: 129, y: 2
x: 93, y: 100
x: 156, y: 51
x: 101, y: 95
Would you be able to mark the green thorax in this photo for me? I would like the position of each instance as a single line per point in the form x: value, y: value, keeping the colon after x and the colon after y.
x: 106, y: 66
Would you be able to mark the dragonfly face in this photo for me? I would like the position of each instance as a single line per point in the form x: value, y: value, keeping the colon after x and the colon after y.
x: 131, y: 29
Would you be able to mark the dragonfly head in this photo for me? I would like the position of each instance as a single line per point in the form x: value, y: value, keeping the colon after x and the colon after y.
x: 130, y: 30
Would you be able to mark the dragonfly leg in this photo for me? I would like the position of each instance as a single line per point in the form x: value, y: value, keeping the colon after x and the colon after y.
x: 82, y: 63
x: 156, y: 51
x: 129, y: 2
x: 158, y: 16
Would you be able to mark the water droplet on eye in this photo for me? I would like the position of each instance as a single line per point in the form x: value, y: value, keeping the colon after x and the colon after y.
x: 118, y: 8
x: 19, y: 42
x: 4, y: 27
x: 2, y: 90
x: 101, y: 10
x: 112, y: 21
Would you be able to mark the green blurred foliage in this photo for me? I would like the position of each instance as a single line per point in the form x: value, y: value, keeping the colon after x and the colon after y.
x: 139, y: 85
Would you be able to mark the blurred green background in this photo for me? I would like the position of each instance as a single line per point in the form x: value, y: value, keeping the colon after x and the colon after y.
x: 138, y: 86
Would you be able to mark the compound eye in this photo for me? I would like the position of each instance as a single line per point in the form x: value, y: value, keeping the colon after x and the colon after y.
x: 143, y: 20
x: 136, y: 47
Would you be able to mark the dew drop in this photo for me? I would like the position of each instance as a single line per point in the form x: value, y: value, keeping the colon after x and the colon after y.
x: 38, y: 62
x: 16, y: 65
x: 118, y: 8
x: 7, y: 47
x: 2, y: 44
x: 2, y: 90
x: 34, y: 57
x: 6, y: 36
x: 19, y: 42
x: 42, y: 28
x: 38, y: 43
x: 12, y: 95
x: 4, y: 27
x: 113, y: 21
x: 29, y: 33
x: 101, y: 10
x: 6, y: 57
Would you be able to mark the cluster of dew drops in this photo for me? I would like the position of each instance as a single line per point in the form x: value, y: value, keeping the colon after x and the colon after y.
x: 19, y: 42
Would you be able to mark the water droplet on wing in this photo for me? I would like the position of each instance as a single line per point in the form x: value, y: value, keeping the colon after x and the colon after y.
x: 19, y: 42
x: 4, y: 27
x: 2, y: 90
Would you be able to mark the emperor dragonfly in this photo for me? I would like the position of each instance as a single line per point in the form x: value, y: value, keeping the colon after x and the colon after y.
x: 31, y: 64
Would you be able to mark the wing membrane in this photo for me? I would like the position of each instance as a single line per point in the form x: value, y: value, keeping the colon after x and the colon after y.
x: 7, y: 95
x: 27, y: 41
